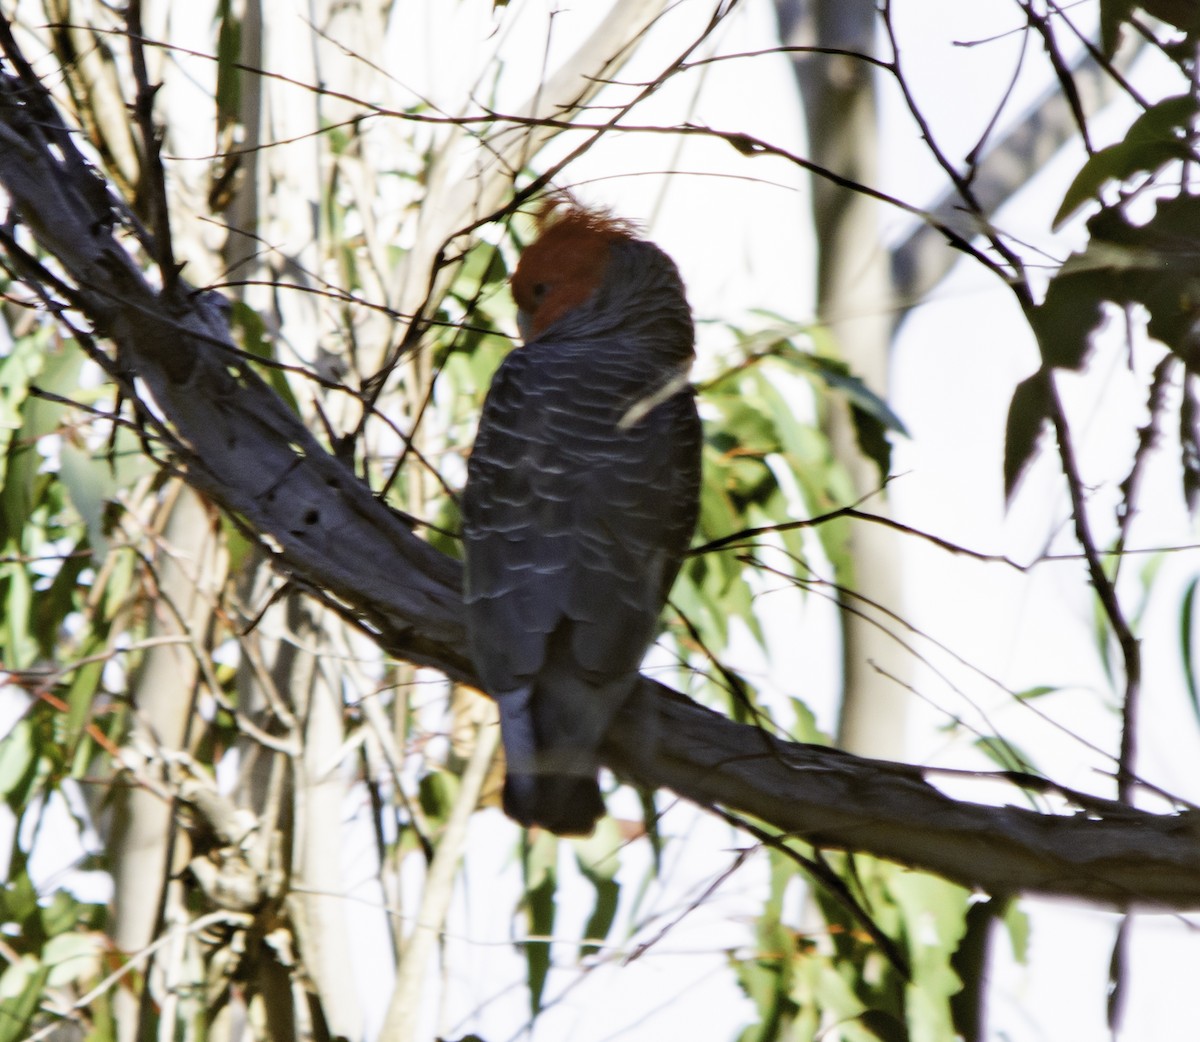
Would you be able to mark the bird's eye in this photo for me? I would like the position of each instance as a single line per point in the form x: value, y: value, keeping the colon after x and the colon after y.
x: 540, y: 289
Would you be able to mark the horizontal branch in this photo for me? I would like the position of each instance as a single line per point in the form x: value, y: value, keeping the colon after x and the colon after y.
x: 1113, y: 855
x: 240, y: 445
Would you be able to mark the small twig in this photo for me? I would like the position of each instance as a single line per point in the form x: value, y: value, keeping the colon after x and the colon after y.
x: 1062, y: 72
x: 1147, y: 440
x: 1098, y: 57
x: 700, y: 899
x: 152, y: 170
x: 1106, y: 591
x: 821, y: 873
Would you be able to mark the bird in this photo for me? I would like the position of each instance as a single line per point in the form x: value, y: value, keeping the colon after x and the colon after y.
x: 582, y: 495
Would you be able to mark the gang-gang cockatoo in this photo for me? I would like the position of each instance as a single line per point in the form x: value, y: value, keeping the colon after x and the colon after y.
x: 582, y: 493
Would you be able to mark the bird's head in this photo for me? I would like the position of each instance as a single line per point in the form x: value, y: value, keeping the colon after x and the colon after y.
x: 566, y: 264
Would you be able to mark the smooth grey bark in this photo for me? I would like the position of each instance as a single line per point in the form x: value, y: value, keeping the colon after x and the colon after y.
x: 239, y: 444
x: 274, y: 205
x: 189, y: 571
x: 854, y: 302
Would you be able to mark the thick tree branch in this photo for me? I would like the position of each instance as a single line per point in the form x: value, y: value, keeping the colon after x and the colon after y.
x: 241, y: 446
x: 1110, y: 854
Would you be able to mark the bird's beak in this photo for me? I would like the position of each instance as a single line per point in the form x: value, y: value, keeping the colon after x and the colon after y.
x: 525, y: 324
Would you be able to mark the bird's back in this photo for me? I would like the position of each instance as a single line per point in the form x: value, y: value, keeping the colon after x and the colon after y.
x: 581, y: 499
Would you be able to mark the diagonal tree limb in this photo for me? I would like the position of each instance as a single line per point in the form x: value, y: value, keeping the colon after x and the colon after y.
x: 244, y: 449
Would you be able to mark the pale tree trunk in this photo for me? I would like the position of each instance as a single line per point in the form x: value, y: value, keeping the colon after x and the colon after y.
x: 403, y: 1018
x: 318, y: 881
x: 183, y: 588
x: 864, y: 292
x: 276, y: 240
x: 854, y: 302
x: 189, y: 572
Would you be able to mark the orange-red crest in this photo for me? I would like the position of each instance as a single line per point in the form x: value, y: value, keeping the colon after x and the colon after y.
x: 565, y: 264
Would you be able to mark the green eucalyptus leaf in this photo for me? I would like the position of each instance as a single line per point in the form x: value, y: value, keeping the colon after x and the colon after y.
x: 837, y: 376
x: 884, y: 1026
x: 1038, y: 691
x: 22, y: 988
x: 72, y: 958
x: 1187, y: 638
x: 1005, y: 754
x: 437, y: 792
x: 1028, y: 416
x: 91, y: 487
x: 1113, y: 14
x: 81, y: 693
x: 540, y: 864
x: 16, y: 590
x: 250, y: 332
x: 1154, y: 264
x: 1157, y: 137
x: 17, y: 755
x: 229, y: 53
x: 1016, y: 921
x: 598, y: 859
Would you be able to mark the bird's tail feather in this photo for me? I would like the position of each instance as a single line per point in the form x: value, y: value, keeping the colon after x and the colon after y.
x: 564, y: 804
x: 552, y: 734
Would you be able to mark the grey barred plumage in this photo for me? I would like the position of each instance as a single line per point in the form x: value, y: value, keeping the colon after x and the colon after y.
x: 579, y: 506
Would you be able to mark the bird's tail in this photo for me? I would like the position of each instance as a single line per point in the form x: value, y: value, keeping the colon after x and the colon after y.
x: 564, y: 804
x: 552, y: 733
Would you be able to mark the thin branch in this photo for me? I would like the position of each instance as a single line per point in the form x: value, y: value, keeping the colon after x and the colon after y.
x: 1146, y: 443
x: 920, y: 261
x: 402, y: 1018
x: 1106, y: 591
x: 822, y: 874
x: 1062, y: 71
x: 153, y: 178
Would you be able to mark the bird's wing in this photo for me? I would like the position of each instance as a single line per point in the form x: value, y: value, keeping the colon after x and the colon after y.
x: 570, y: 518
x: 516, y: 530
x: 633, y: 526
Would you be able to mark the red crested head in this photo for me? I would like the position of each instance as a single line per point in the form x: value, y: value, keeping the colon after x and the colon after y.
x: 566, y: 264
